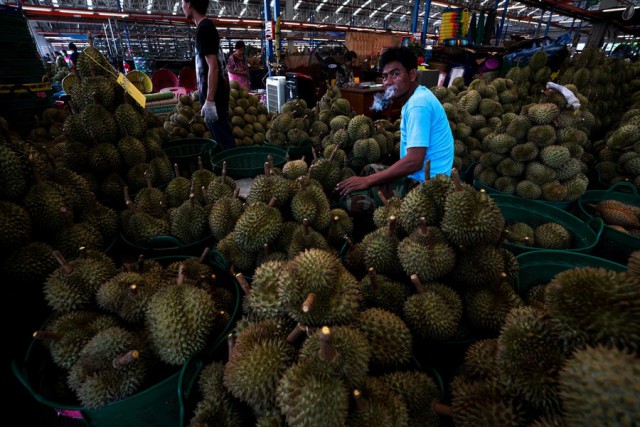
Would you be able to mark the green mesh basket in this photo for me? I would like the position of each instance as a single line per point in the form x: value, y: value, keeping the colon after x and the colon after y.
x: 584, y: 236
x: 480, y: 186
x: 187, y: 153
x: 159, y: 405
x: 540, y: 267
x: 167, y: 246
x: 247, y: 162
x: 614, y: 244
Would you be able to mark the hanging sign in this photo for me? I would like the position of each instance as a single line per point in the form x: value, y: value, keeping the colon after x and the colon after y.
x: 269, y: 30
x: 131, y: 90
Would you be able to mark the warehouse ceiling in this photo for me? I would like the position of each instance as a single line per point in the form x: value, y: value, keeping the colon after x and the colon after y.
x: 156, y: 23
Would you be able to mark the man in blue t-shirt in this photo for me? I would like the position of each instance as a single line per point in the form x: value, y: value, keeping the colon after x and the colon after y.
x: 425, y: 133
x: 213, y: 85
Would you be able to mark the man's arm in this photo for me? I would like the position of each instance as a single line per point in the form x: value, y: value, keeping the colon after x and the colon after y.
x: 412, y: 162
x: 212, y: 78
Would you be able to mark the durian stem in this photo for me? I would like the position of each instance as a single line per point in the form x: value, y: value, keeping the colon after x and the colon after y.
x: 140, y: 263
x: 295, y: 333
x: 287, y: 157
x: 67, y: 217
x: 231, y: 342
x: 47, y: 336
x: 442, y: 409
x: 349, y: 242
x: 417, y: 283
x: 307, y: 305
x: 133, y: 289
x: 266, y: 249
x: 303, y: 182
x: 311, y: 167
x: 180, y: 280
x: 361, y: 403
x: 204, y: 255
x: 246, y: 287
x: 127, y: 198
x: 272, y: 202
x: 236, y: 192
x: 373, y: 277
x: 192, y: 199
x: 427, y: 170
x: 200, y: 163
x: 383, y: 198
x: 193, y: 184
x: 176, y: 170
x: 392, y: 225
x: 270, y: 161
x: 223, y: 175
x: 126, y: 358
x: 147, y: 176
x: 333, y: 153
x: 424, y: 229
x: 68, y: 268
x: 315, y: 155
x: 456, y: 180
x: 501, y: 279
x: 305, y: 225
x: 267, y: 169
x: 327, y: 350
x: 526, y: 241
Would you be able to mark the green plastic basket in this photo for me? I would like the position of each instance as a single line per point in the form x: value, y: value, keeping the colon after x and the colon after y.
x: 167, y: 246
x: 585, y: 236
x: 614, y: 244
x: 185, y: 153
x: 247, y: 162
x: 159, y: 405
x: 480, y: 186
x: 540, y: 267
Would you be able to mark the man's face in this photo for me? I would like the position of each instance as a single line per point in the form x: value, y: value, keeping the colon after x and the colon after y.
x: 394, y: 74
x: 186, y: 8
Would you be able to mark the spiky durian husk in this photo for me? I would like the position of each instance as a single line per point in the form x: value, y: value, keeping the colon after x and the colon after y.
x: 390, y: 338
x: 434, y: 314
x: 419, y: 392
x: 384, y: 407
x: 127, y: 295
x: 307, y: 398
x: 262, y: 302
x: 487, y: 308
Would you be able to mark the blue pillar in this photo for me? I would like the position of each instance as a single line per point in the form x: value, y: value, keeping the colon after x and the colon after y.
x: 312, y: 34
x: 425, y: 24
x: 385, y: 24
x: 504, y: 16
x: 276, y: 15
x: 546, y: 31
x: 539, y: 23
x: 414, y: 17
x: 262, y: 36
x: 574, y: 19
x: 267, y: 21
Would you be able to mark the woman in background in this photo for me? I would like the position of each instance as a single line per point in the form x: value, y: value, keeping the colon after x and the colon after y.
x: 237, y: 66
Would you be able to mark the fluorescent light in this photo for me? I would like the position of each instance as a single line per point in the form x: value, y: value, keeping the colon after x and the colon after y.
x: 366, y: 3
x: 222, y: 10
x: 90, y: 4
x: 396, y: 8
x: 357, y: 12
x: 37, y: 9
x: 339, y: 9
x: 374, y: 12
x: 319, y: 7
x: 149, y: 6
x: 387, y: 16
x: 566, y: 21
x: 297, y: 4
x: 245, y: 2
x: 55, y: 3
x: 615, y: 9
x: 243, y: 11
x: 116, y: 14
x: 516, y: 7
x: 76, y: 12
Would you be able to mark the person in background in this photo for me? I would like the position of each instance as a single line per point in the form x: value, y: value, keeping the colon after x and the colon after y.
x: 73, y: 58
x: 213, y: 84
x: 60, y: 62
x: 344, y: 74
x: 237, y: 66
x: 425, y: 135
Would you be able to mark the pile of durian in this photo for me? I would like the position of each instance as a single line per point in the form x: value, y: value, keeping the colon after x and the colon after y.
x: 117, y: 331
x: 249, y: 118
x: 618, y: 154
x: 538, y: 153
x: 529, y: 80
x: 549, y: 235
x: 186, y: 121
x: 621, y: 216
x: 567, y: 358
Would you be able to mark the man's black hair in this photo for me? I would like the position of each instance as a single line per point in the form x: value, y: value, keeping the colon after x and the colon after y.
x: 200, y: 5
x: 402, y: 54
x: 73, y: 47
x: 240, y: 44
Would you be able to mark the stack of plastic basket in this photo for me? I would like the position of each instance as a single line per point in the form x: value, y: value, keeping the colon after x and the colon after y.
x: 455, y: 24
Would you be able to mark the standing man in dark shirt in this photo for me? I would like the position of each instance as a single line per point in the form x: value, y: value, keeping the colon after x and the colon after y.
x: 213, y: 85
x: 73, y: 59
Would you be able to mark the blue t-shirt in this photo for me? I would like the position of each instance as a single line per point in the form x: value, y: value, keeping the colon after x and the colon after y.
x: 424, y: 124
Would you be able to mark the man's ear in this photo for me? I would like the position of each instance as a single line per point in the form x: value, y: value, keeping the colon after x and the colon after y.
x: 413, y: 74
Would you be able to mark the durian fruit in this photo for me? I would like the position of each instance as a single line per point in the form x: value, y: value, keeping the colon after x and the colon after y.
x: 616, y: 213
x: 307, y: 398
x: 426, y: 253
x: 13, y: 173
x: 111, y: 367
x: 426, y: 200
x: 311, y: 202
x: 471, y: 218
x: 419, y: 392
x: 259, y: 357
x: 380, y: 248
x: 189, y: 221
x: 262, y: 301
x: 529, y: 358
x: 353, y: 259
x: 241, y: 259
x: 270, y: 185
x: 306, y: 238
x: 597, y: 385
x: 480, y: 267
x: 327, y: 170
x: 76, y: 236
x: 217, y: 407
x: 74, y: 284
x: 127, y: 295
x: 520, y: 233
x: 388, y: 335
x: 486, y: 308
x: 151, y: 200
x: 258, y: 225
x: 67, y: 335
x: 341, y: 351
x: 104, y: 219
x: 434, y: 312
x: 389, y: 207
x: 480, y: 359
x: 552, y: 236
x: 179, y: 319
x: 44, y: 202
x: 378, y: 405
x: 294, y: 169
x: 29, y: 265
x: 381, y: 292
x: 318, y: 290
x: 588, y: 305
x: 484, y: 403
x: 15, y: 226
x: 130, y: 122
x: 178, y: 189
x: 224, y: 214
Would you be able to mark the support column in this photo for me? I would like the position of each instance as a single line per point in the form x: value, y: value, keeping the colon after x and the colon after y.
x: 269, y: 43
x: 504, y: 16
x: 414, y: 17
x: 539, y: 23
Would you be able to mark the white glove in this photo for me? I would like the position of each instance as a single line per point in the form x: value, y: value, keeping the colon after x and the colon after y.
x: 209, y: 111
x: 568, y: 95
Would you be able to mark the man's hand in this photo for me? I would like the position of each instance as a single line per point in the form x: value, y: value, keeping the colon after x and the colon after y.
x: 209, y: 111
x: 352, y: 184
